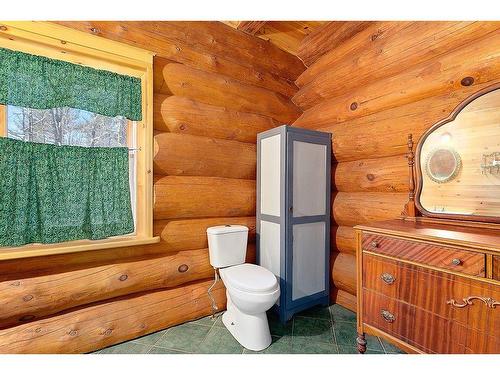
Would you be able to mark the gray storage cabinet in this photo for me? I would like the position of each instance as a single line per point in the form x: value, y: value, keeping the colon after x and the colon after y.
x: 293, y: 214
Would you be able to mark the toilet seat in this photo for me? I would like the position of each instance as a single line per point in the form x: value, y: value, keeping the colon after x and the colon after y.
x: 249, y: 278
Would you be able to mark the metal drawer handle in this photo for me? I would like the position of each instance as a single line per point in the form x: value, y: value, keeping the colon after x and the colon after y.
x: 388, y: 317
x: 374, y: 244
x: 488, y: 301
x: 388, y: 278
x: 456, y: 262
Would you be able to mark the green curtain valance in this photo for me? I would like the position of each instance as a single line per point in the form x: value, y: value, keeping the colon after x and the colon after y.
x: 39, y: 82
x: 52, y: 194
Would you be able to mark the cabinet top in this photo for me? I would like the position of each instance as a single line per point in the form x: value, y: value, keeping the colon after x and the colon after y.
x: 283, y: 129
x: 445, y: 232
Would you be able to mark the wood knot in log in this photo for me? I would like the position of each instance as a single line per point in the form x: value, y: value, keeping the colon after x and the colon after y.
x: 27, y: 298
x: 123, y: 277
x: 353, y: 106
x: 370, y: 177
x: 467, y: 81
x: 108, y: 332
x: 3, y: 28
x: 183, y: 268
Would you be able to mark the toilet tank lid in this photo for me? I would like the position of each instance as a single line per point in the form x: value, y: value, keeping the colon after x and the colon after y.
x: 223, y: 229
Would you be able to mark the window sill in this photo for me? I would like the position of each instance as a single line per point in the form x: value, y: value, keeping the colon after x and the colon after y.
x: 36, y: 250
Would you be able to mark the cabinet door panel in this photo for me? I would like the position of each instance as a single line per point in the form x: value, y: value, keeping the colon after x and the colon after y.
x: 270, y: 175
x: 309, y: 179
x: 308, y: 220
x: 309, y: 259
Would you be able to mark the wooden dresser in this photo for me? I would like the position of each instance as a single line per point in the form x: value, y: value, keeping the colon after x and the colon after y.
x: 429, y: 286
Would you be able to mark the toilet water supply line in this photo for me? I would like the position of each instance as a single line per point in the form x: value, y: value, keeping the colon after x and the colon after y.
x: 214, y: 305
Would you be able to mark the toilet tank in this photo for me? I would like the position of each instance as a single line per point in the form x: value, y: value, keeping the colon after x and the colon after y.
x: 227, y: 245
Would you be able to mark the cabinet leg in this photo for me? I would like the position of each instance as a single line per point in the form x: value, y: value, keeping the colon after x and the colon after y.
x: 361, y: 341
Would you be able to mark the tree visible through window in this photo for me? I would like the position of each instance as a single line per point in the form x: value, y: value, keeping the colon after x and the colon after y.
x: 66, y: 126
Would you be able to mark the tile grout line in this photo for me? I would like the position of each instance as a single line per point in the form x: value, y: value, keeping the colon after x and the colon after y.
x: 334, y: 331
x: 208, y: 333
x: 171, y: 349
x: 162, y: 336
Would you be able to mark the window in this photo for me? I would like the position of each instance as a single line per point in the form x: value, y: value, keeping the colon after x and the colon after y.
x: 75, y: 127
x: 66, y: 126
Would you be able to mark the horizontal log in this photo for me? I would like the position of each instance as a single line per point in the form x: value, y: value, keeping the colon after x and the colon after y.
x: 180, y: 115
x: 224, y: 41
x: 389, y: 174
x: 136, y: 33
x: 344, y: 272
x: 192, y: 234
x: 343, y: 239
x: 198, y: 197
x: 221, y: 90
x: 441, y: 75
x: 99, y: 325
x: 190, y: 155
x: 319, y: 42
x: 350, y: 209
x: 344, y: 299
x: 25, y: 298
x: 74, y: 261
x: 386, y: 133
x: 398, y: 50
x: 354, y: 45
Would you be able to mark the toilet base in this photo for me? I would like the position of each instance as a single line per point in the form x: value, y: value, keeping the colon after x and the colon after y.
x: 251, y: 331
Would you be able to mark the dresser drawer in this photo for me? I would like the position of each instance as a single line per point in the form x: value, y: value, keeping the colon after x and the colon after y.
x: 471, y: 303
x: 463, y: 261
x: 388, y: 314
x: 419, y: 328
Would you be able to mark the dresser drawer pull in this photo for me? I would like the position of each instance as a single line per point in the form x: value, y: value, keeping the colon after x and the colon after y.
x: 456, y: 262
x: 490, y: 302
x: 374, y: 244
x: 387, y: 278
x: 388, y: 317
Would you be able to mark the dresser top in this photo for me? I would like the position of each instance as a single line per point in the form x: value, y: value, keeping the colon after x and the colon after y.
x: 453, y: 234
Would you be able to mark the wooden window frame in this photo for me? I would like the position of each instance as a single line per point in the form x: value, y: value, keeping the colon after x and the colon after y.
x: 62, y: 43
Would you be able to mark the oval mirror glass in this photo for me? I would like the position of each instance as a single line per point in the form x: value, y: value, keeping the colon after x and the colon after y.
x: 442, y: 165
x: 458, y: 162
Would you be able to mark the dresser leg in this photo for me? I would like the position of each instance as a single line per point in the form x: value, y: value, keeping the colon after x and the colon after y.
x: 361, y: 341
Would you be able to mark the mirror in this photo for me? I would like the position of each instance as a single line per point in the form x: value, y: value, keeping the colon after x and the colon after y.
x: 458, y: 162
x: 442, y: 165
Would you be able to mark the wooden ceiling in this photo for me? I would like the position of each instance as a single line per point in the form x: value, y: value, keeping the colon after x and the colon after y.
x: 287, y: 35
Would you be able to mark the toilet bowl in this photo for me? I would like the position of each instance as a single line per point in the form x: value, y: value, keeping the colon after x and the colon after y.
x: 251, y: 290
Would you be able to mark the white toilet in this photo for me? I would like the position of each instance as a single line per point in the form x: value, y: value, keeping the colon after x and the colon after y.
x: 251, y: 290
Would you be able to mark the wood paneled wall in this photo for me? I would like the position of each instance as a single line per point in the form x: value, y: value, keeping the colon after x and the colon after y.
x: 376, y: 84
x: 215, y: 89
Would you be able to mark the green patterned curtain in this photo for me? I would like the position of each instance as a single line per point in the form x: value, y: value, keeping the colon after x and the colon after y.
x: 52, y: 194
x: 42, y: 83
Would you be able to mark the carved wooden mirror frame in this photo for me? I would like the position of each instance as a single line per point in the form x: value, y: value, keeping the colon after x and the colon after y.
x: 419, y: 167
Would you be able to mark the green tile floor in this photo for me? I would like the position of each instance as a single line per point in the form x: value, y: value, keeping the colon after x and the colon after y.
x: 320, y: 330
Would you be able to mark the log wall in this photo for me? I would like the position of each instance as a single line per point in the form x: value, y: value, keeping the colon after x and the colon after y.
x: 215, y: 89
x: 371, y: 88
